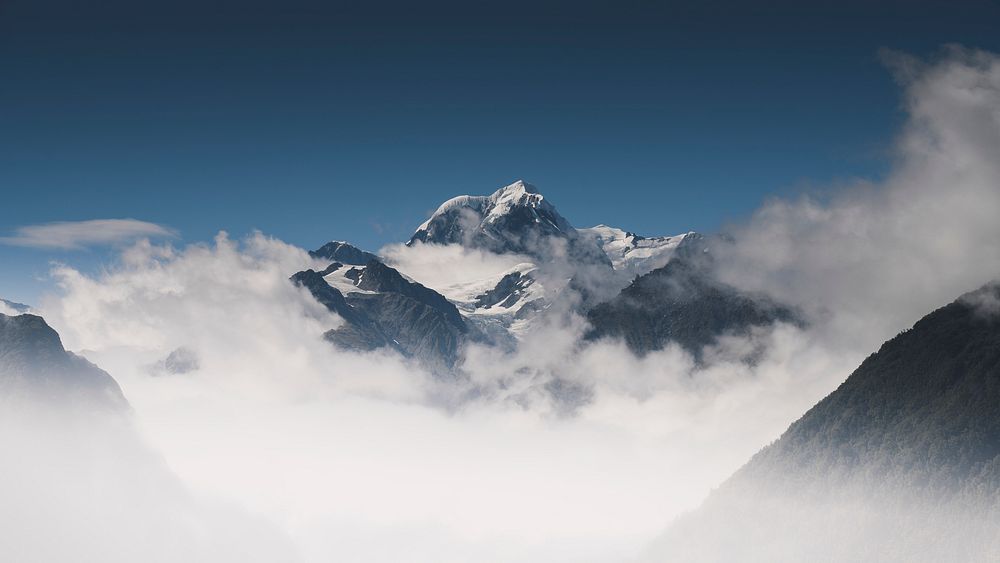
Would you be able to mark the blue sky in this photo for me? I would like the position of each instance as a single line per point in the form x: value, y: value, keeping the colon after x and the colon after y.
x: 314, y: 121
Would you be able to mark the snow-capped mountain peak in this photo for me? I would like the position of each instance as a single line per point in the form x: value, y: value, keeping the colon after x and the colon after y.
x: 495, y: 205
x: 522, y: 195
x: 514, y: 219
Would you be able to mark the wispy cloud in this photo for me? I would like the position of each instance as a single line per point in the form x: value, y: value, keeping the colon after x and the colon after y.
x: 75, y: 235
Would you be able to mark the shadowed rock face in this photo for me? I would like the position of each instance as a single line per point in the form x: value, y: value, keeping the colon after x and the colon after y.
x: 380, y: 278
x: 359, y: 332
x: 507, y: 292
x: 338, y: 251
x: 681, y: 303
x: 34, y: 363
x: 393, y: 312
x: 899, y: 463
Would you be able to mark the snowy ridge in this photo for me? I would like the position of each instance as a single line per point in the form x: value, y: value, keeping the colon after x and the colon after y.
x: 520, y: 194
x: 494, y: 205
x: 338, y: 280
x: 476, y: 202
x: 464, y: 295
x: 632, y: 253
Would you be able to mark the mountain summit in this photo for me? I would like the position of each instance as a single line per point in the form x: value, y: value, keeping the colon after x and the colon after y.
x: 514, y: 219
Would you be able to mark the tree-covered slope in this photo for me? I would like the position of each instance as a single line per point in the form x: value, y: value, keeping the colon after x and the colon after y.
x: 924, y: 409
x: 899, y: 463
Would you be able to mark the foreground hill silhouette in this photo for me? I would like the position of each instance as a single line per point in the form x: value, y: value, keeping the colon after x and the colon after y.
x: 900, y: 463
x: 34, y: 364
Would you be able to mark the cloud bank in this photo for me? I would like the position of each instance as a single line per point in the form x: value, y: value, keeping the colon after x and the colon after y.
x: 876, y: 257
x: 80, y: 485
x: 352, y: 456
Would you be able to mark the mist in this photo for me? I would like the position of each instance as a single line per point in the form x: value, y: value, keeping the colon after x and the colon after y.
x: 79, y: 484
x: 357, y: 455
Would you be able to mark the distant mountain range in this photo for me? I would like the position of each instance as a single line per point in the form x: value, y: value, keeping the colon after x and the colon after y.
x: 628, y: 286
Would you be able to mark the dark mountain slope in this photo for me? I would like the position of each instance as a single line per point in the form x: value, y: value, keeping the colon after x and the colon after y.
x: 391, y: 311
x: 33, y: 362
x: 359, y: 332
x: 925, y: 408
x: 900, y: 463
x: 378, y: 277
x: 682, y: 303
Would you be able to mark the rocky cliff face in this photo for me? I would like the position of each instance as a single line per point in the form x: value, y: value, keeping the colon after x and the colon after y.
x: 387, y: 310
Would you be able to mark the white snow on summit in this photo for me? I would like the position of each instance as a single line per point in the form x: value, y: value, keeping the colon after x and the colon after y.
x: 493, y: 207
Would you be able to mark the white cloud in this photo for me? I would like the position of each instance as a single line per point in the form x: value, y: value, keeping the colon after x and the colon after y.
x: 352, y: 456
x: 75, y: 235
x: 878, y: 256
x: 443, y: 267
x: 80, y: 485
x: 9, y: 308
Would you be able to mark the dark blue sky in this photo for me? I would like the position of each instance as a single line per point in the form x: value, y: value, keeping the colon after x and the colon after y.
x: 320, y: 120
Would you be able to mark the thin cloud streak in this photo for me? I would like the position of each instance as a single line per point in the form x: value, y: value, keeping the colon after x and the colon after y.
x: 77, y: 235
